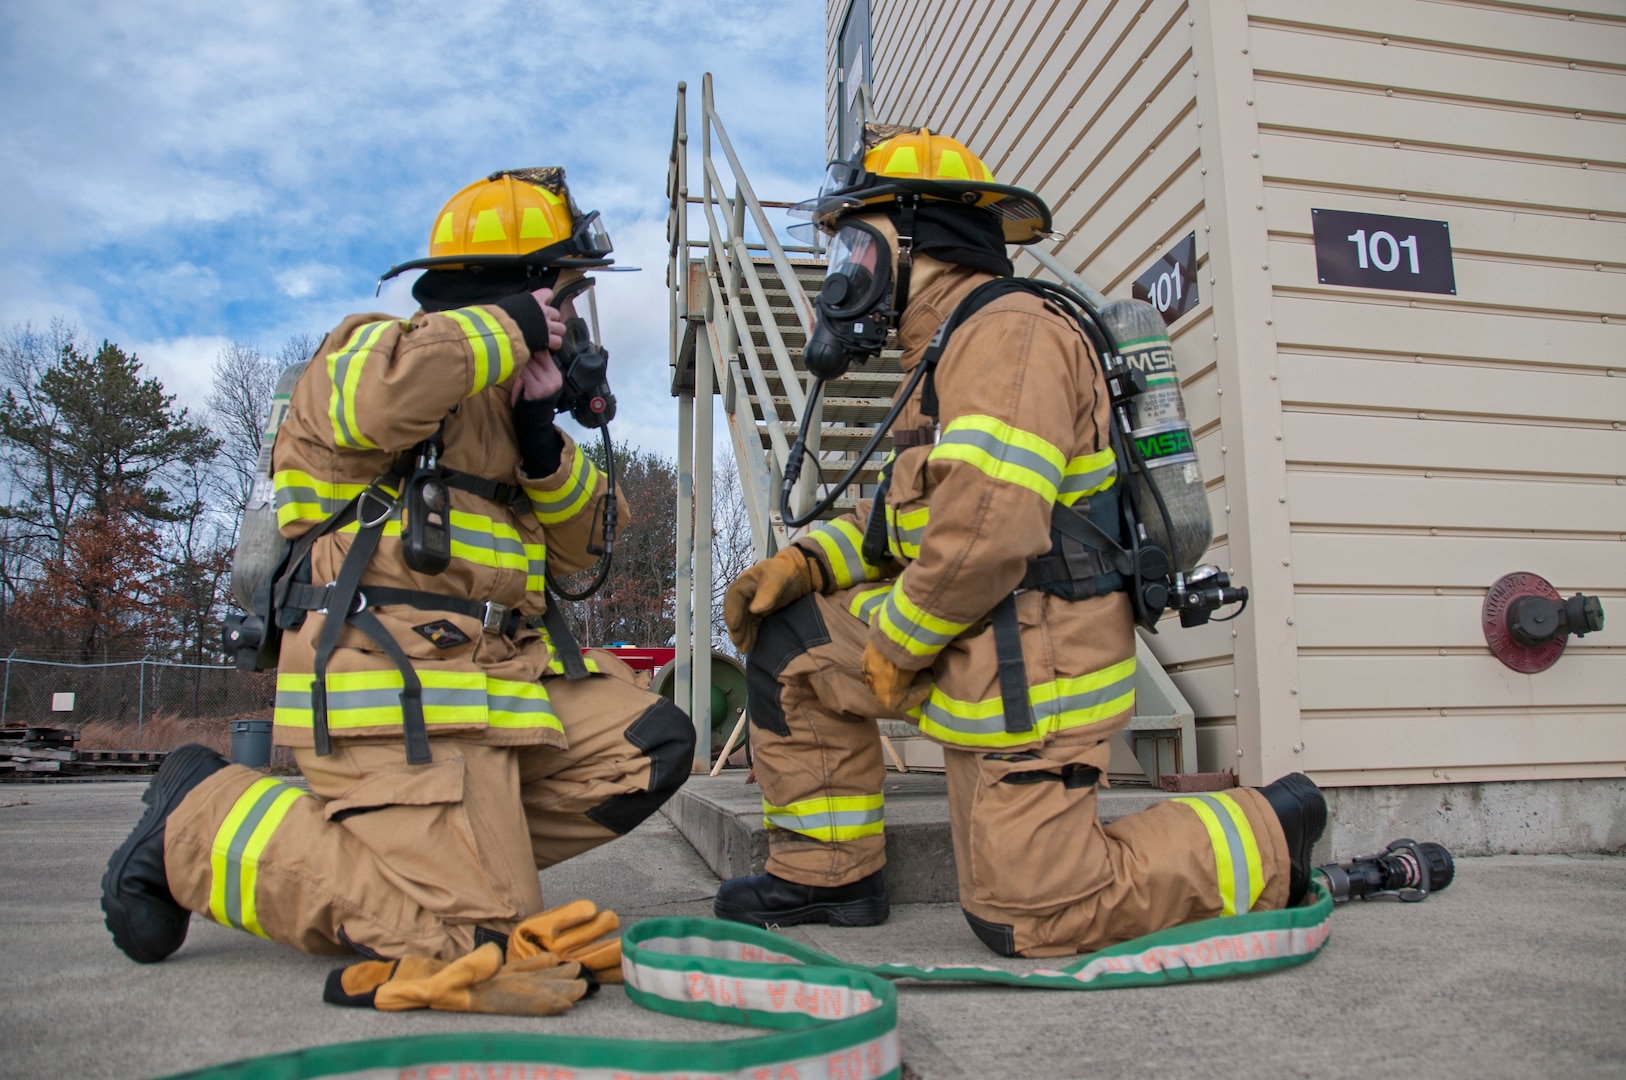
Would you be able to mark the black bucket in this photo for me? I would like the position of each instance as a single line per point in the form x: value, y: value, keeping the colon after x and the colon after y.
x: 251, y: 743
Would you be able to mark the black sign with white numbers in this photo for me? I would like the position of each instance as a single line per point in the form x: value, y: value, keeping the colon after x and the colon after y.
x: 1171, y: 284
x: 1376, y: 251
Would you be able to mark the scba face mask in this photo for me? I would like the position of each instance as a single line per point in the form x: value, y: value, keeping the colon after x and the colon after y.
x: 855, y: 304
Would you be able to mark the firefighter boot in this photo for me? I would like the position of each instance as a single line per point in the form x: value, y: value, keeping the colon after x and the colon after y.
x: 144, y: 918
x: 766, y: 900
x: 1302, y: 811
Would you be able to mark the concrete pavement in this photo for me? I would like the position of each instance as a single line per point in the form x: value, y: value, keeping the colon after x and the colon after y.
x: 1519, y: 969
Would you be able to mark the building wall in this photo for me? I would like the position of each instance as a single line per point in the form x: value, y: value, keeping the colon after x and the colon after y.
x: 1389, y: 454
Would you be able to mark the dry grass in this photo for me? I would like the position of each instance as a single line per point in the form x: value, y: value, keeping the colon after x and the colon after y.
x: 168, y: 731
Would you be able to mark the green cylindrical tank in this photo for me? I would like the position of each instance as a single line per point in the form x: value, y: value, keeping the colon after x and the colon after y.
x: 727, y: 692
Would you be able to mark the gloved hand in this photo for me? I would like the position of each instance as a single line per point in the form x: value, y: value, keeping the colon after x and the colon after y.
x: 480, y: 982
x: 897, y: 690
x: 571, y: 932
x: 540, y: 444
x: 765, y: 588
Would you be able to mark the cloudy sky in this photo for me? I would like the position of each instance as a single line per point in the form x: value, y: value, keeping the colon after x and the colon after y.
x: 178, y: 174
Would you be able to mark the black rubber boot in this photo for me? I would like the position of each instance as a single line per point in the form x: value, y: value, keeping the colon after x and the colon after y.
x: 1302, y: 811
x: 145, y: 920
x: 766, y: 900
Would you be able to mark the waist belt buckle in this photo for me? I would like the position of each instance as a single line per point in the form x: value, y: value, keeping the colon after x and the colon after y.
x: 494, y: 618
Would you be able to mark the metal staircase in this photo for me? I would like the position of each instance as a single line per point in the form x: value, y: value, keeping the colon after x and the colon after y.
x: 741, y: 310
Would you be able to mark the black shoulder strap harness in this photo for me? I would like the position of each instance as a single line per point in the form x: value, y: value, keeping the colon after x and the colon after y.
x: 293, y: 595
x: 1087, y: 555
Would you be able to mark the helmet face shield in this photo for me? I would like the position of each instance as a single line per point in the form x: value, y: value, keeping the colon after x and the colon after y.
x: 858, y: 276
x: 590, y: 239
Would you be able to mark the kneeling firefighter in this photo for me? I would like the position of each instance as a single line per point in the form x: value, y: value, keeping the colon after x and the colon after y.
x: 452, y: 749
x: 967, y: 604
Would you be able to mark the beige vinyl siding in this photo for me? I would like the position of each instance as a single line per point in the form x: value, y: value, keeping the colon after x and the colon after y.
x: 1395, y: 453
x: 1434, y: 442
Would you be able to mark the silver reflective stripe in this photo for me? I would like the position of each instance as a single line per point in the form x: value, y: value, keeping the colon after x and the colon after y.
x: 299, y: 493
x: 867, y: 605
x: 828, y: 819
x: 234, y: 854
x: 382, y: 698
x: 555, y: 502
x: 1239, y: 853
x: 491, y: 541
x: 1055, y: 709
x: 1004, y: 451
x: 364, y: 339
x: 512, y: 704
x: 856, y: 566
x: 493, y: 346
x: 1072, y: 487
x: 913, y: 630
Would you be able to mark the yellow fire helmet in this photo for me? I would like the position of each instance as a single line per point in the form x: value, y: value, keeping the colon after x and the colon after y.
x: 515, y: 217
x: 904, y: 161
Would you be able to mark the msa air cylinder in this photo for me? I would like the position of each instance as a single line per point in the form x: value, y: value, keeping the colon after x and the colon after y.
x: 260, y: 545
x: 1161, y: 435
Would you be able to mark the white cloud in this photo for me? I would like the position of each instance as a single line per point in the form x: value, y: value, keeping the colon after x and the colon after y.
x: 184, y: 365
x: 298, y: 282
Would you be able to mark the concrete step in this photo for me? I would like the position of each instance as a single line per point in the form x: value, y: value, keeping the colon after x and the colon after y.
x: 721, y: 817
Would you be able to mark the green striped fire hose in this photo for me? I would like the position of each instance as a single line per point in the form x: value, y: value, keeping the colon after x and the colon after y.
x: 832, y: 1020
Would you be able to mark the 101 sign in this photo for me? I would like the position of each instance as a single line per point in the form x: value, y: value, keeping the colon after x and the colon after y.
x: 1171, y: 283
x: 1376, y: 251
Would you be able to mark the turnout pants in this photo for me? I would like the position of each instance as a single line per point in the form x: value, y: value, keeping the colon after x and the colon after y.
x: 1039, y: 875
x: 388, y: 858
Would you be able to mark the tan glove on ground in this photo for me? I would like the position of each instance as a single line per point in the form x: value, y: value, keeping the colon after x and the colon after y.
x: 480, y: 982
x: 572, y: 932
x: 765, y: 588
x: 897, y: 690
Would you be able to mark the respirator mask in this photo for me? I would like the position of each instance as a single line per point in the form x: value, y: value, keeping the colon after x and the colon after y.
x: 583, y: 363
x: 855, y: 305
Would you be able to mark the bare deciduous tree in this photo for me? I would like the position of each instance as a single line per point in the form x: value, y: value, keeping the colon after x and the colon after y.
x: 239, y: 403
x: 733, y: 549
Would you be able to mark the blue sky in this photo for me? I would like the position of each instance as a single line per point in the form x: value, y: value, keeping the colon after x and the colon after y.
x: 181, y: 174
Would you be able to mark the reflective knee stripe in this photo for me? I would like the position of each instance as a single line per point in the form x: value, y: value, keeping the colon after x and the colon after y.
x: 842, y: 544
x: 234, y: 860
x: 344, y: 372
x: 493, y: 351
x: 1003, y: 452
x: 1057, y: 706
x: 865, y: 603
x: 828, y: 818
x: 1087, y: 475
x: 1236, y: 853
x: 553, y: 507
x: 912, y: 627
x: 360, y: 699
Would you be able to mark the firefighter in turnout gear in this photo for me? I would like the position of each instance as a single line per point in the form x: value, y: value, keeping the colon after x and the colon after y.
x: 1013, y: 421
x: 452, y: 748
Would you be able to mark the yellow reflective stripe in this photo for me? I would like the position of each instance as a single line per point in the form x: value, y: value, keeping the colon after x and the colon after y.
x: 488, y: 542
x: 831, y: 818
x: 1057, y: 705
x: 557, y: 666
x: 866, y: 601
x: 299, y: 496
x: 905, y: 531
x: 1003, y: 452
x: 251, y: 857
x: 553, y: 507
x: 492, y: 349
x: 234, y: 857
x: 843, y: 547
x: 536, y: 564
x: 358, y: 699
x: 344, y: 372
x: 912, y: 627
x: 1237, y: 867
x: 517, y: 705
x: 1088, y: 475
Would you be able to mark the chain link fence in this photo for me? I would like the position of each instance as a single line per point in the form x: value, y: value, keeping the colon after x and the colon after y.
x: 130, y: 694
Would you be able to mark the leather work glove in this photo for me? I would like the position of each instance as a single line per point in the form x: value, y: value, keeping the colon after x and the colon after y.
x: 571, y: 932
x: 897, y: 690
x: 480, y: 982
x: 765, y: 588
